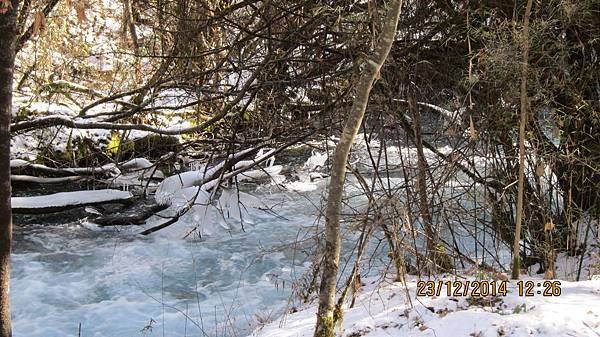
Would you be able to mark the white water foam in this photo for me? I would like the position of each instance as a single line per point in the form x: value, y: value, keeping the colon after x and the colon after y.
x: 117, y: 285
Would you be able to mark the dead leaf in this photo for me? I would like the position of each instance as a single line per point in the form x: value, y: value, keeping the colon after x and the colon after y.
x: 556, y: 132
x: 5, y: 6
x: 540, y: 169
x: 451, y: 131
x: 501, y: 276
x: 549, y: 226
x: 39, y: 23
x: 80, y: 10
x: 472, y: 131
x: 443, y: 312
x: 69, y: 4
x: 423, y: 327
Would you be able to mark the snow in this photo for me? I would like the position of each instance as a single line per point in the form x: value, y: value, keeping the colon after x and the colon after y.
x: 27, y: 145
x: 449, y: 115
x: 168, y: 187
x: 19, y: 163
x: 301, y: 186
x: 45, y: 108
x: 136, y: 163
x: 267, y: 172
x: 69, y: 199
x: 137, y: 173
x: 316, y: 160
x: 42, y: 180
x: 384, y: 310
x: 108, y: 168
x: 174, y: 98
x: 309, y: 180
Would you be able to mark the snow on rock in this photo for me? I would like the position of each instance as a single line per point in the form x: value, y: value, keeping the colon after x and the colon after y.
x: 171, y: 185
x: 187, y: 195
x: 19, y: 163
x: 234, y: 203
x: 168, y: 187
x: 136, y: 164
x: 386, y: 311
x: 272, y: 172
x: 138, y: 172
x: 316, y: 160
x: 308, y: 178
x: 66, y: 200
x: 301, y: 186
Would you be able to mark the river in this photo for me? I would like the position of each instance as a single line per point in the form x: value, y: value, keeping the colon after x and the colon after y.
x: 69, y: 281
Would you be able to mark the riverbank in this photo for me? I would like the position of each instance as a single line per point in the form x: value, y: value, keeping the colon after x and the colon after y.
x: 385, y: 309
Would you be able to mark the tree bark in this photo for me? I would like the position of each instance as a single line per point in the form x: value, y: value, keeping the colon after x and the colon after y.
x: 8, y: 27
x: 516, y: 267
x: 325, y: 315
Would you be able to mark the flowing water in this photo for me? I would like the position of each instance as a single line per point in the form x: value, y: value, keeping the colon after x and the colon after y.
x: 70, y: 281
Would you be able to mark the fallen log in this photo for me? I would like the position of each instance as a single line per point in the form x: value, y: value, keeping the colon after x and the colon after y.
x: 135, y: 214
x: 63, y: 201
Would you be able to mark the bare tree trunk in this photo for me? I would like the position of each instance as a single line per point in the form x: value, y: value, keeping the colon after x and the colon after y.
x: 8, y: 27
x: 325, y: 317
x: 516, y: 267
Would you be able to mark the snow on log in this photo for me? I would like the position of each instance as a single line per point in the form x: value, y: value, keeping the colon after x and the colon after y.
x: 67, y: 200
x: 450, y: 115
x: 19, y: 165
x: 43, y: 180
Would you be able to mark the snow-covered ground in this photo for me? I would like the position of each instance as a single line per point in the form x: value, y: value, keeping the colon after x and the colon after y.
x: 383, y: 309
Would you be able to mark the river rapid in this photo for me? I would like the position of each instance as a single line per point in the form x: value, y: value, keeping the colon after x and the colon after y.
x: 70, y: 281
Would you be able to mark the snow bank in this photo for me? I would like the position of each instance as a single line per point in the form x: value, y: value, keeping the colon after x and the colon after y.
x: 386, y: 311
